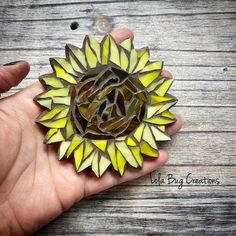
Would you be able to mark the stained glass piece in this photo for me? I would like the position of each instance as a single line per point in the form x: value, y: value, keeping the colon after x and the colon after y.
x: 62, y: 114
x: 96, y: 47
x: 161, y: 91
x: 138, y: 132
x: 57, y: 137
x: 133, y: 60
x: 91, y: 57
x: 50, y: 114
x: 69, y: 129
x: 152, y: 110
x: 55, y: 92
x: 168, y: 115
x: 53, y: 82
x: 105, y: 50
x: 103, y: 165
x: 130, y: 142
x: 60, y: 123
x: 95, y: 165
x: 45, y: 103
x: 159, y: 121
x: 114, y: 52
x: 137, y: 155
x: 157, y: 65
x: 146, y: 149
x: 159, y: 135
x: 124, y: 62
x: 126, y: 153
x: 127, y: 44
x: 78, y: 54
x: 63, y: 148
x: 101, y: 144
x: 148, y: 137
x: 65, y: 65
x: 142, y: 62
x: 88, y: 149
x: 120, y: 162
x: 50, y: 133
x: 87, y: 162
x: 78, y: 156
x: 62, y: 100
x: 74, y: 143
x: 158, y: 99
x: 64, y: 75
x: 148, y: 78
x: 74, y: 64
x: 112, y: 153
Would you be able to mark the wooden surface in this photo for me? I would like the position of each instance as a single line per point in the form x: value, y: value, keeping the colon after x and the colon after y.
x: 197, y: 41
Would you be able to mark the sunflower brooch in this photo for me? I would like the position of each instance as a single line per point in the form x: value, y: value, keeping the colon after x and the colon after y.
x: 106, y: 105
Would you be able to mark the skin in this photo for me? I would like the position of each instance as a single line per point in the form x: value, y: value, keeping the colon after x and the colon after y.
x: 34, y: 186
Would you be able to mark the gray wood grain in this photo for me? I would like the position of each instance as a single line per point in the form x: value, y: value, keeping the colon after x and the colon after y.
x: 197, y: 41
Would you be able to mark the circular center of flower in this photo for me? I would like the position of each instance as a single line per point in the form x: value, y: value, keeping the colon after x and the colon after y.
x: 108, y: 103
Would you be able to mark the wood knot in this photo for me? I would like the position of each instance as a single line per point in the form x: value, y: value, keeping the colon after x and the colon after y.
x: 103, y: 24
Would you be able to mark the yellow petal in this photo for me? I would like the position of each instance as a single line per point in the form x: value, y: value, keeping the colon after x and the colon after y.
x: 61, y: 73
x: 78, y: 156
x: 133, y: 60
x: 137, y: 155
x: 127, y: 44
x: 103, y: 165
x: 157, y: 65
x: 126, y: 153
x: 138, y: 132
x: 148, y: 150
x: 159, y: 135
x: 63, y: 148
x: 142, y: 62
x: 120, y: 162
x: 91, y: 57
x: 114, y: 52
x: 123, y: 60
x: 105, y: 50
x: 112, y: 153
x: 57, y: 137
x: 148, y: 137
x: 101, y: 144
x: 148, y: 78
x: 74, y: 143
x: 96, y: 47
x: 161, y: 91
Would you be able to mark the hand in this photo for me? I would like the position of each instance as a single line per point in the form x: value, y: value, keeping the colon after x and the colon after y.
x: 34, y: 186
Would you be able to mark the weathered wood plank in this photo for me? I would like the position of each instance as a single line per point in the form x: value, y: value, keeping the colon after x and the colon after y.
x: 183, y: 31
x: 148, y: 207
x: 21, y: 10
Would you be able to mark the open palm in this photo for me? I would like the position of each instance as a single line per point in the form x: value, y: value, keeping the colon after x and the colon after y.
x: 34, y: 186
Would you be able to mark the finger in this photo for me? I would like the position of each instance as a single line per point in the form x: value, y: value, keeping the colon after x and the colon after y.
x: 174, y: 128
x: 166, y: 74
x: 11, y: 74
x: 121, y: 34
x: 110, y: 178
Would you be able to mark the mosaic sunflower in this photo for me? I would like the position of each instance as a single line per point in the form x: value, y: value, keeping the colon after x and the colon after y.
x: 106, y: 104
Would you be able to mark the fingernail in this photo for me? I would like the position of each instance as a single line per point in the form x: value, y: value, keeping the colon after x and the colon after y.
x: 11, y: 63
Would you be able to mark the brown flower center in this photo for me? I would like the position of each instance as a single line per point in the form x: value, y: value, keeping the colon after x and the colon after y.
x: 108, y: 103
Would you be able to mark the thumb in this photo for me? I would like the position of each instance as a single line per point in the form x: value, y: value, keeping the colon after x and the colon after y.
x: 11, y: 74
